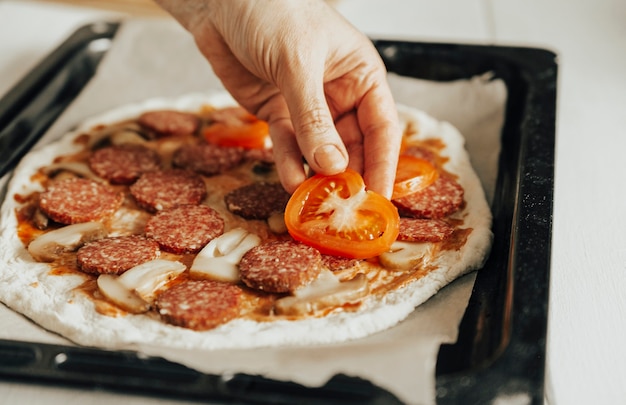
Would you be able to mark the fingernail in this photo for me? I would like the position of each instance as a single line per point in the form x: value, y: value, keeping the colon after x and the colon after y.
x: 330, y: 159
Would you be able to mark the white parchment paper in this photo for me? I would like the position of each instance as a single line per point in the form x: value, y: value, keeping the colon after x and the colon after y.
x: 157, y: 58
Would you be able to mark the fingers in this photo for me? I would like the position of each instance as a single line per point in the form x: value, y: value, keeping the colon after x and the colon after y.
x: 315, y: 131
x: 382, y: 136
x: 287, y: 155
x: 286, y: 151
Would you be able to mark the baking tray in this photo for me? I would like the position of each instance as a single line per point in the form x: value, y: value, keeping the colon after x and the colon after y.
x: 500, y: 352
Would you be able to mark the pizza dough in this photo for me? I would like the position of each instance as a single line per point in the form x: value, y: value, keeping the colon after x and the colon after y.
x: 58, y: 302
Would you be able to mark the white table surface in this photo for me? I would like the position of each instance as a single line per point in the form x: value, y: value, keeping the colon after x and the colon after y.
x: 586, y: 360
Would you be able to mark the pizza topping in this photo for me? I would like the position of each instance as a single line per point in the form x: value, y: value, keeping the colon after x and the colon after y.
x: 40, y: 220
x: 257, y: 200
x: 123, y: 164
x: 170, y: 122
x: 442, y: 198
x: 135, y: 290
x: 48, y: 246
x: 78, y: 168
x: 263, y: 157
x: 412, y: 175
x: 280, y: 266
x: 116, y: 255
x: 424, y: 230
x: 186, y: 228
x: 206, y: 158
x: 421, y: 152
x: 159, y: 190
x: 234, y: 126
x: 337, y: 263
x: 116, y: 134
x: 199, y: 304
x: 79, y: 200
x: 125, y: 298
x: 276, y: 223
x: 406, y: 255
x: 337, y: 216
x: 324, y: 292
x: 219, y: 259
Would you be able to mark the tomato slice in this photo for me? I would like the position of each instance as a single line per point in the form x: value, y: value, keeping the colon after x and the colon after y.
x: 237, y: 127
x: 337, y: 216
x: 412, y: 175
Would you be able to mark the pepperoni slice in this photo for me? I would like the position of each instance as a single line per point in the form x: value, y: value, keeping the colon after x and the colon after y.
x: 206, y: 158
x: 170, y: 122
x: 422, y: 153
x: 257, y: 200
x: 159, y: 190
x: 260, y: 155
x: 442, y: 198
x: 280, y: 266
x: 78, y: 200
x: 116, y: 255
x: 186, y: 228
x: 123, y: 164
x: 337, y: 263
x: 199, y: 304
x: 424, y: 230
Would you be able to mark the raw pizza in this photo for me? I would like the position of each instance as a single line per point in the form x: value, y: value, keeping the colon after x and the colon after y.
x: 164, y: 223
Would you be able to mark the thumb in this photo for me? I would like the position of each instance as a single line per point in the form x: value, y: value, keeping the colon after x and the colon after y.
x: 314, y: 128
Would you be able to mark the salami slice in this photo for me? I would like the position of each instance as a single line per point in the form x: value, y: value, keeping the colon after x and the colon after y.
x: 123, y: 164
x: 199, y: 304
x: 116, y: 255
x: 186, y: 228
x: 77, y: 200
x: 170, y: 122
x: 257, y: 200
x: 424, y: 230
x: 260, y: 155
x: 280, y: 266
x: 440, y: 199
x: 159, y: 190
x: 337, y: 263
x: 422, y: 152
x: 206, y: 158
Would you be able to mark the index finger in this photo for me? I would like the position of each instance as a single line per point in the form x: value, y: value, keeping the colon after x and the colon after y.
x: 382, y: 136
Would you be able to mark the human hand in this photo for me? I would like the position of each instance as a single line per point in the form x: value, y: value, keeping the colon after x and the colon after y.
x: 318, y: 82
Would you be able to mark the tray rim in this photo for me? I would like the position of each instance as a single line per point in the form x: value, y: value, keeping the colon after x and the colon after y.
x: 538, y: 68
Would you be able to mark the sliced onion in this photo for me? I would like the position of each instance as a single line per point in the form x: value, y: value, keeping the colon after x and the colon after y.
x: 324, y: 292
x: 219, y: 259
x: 50, y: 245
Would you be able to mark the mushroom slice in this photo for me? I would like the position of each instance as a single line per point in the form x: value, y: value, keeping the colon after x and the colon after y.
x: 326, y: 291
x: 276, y: 222
x: 97, y: 137
x: 121, y: 296
x: 148, y: 277
x: 50, y: 245
x: 79, y: 168
x: 406, y: 255
x: 127, y: 136
x: 135, y: 289
x: 219, y: 259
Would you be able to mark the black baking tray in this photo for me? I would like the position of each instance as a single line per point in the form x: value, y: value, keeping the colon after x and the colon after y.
x: 500, y: 352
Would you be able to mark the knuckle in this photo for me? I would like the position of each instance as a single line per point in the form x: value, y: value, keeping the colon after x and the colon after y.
x: 314, y: 122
